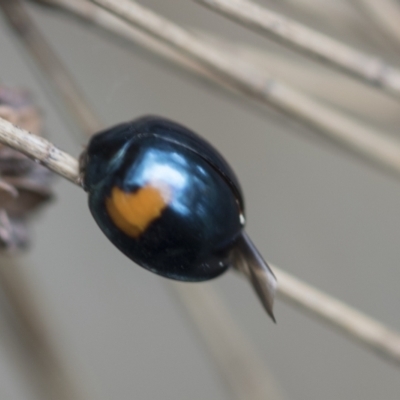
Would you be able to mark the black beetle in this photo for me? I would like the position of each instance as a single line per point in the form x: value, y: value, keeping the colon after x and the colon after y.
x: 171, y: 203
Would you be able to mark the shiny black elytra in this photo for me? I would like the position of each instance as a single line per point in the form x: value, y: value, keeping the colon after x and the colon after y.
x: 171, y: 203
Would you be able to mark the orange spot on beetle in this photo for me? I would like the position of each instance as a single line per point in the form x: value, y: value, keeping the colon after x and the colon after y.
x: 134, y: 212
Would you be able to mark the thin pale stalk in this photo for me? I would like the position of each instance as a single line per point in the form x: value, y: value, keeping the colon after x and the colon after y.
x: 31, y: 333
x: 372, y: 145
x: 385, y: 14
x: 371, y: 70
x: 247, y: 376
x: 93, y: 14
x: 352, y: 98
x: 354, y: 324
x: 40, y: 150
x: 50, y: 64
x: 362, y: 329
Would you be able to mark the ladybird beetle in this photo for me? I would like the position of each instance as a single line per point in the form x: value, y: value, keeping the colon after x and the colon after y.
x: 171, y: 203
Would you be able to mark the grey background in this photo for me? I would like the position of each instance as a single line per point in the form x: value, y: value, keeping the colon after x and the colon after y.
x: 312, y: 209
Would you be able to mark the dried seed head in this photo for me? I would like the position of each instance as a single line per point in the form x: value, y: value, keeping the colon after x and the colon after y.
x: 24, y: 184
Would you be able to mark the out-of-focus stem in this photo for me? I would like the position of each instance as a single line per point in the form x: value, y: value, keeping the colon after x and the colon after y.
x: 50, y: 64
x: 385, y: 15
x: 369, y: 69
x: 372, y: 145
x: 242, y: 369
x: 31, y: 333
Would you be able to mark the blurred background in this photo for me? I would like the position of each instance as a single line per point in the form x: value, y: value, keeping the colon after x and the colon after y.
x: 312, y: 209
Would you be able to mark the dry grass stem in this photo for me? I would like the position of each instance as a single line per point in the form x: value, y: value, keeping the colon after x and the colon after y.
x: 368, y: 143
x: 93, y: 14
x: 30, y: 330
x: 324, y: 85
x: 337, y: 90
x: 249, y: 378
x: 50, y: 64
x: 40, y: 150
x: 356, y: 325
x: 386, y: 16
x: 371, y: 70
